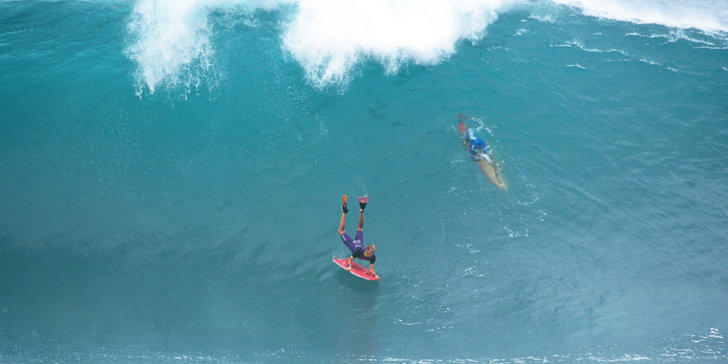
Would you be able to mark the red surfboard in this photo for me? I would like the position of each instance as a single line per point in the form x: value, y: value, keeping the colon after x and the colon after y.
x: 356, y: 269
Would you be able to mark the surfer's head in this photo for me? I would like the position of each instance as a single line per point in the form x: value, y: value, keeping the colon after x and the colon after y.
x: 370, y: 249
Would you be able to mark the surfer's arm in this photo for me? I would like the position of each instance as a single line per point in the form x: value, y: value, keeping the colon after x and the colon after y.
x: 371, y: 270
x: 356, y: 254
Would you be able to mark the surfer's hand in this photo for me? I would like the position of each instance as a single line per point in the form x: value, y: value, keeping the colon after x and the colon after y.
x: 349, y: 267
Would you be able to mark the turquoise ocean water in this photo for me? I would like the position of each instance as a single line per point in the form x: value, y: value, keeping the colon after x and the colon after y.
x: 171, y: 174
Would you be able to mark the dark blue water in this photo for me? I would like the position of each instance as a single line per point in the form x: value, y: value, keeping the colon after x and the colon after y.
x: 171, y: 175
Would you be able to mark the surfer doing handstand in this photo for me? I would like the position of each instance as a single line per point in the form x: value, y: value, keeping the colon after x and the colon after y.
x: 357, y: 244
x: 478, y: 147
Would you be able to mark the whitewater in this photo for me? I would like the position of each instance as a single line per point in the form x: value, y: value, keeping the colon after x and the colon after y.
x: 328, y: 38
x: 171, y: 175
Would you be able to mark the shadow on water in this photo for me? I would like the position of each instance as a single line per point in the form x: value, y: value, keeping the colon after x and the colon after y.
x: 353, y: 284
x: 359, y: 326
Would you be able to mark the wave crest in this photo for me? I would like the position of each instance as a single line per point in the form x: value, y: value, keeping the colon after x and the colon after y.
x: 170, y: 39
x: 171, y: 46
x: 170, y: 43
x: 327, y: 38
x: 706, y: 15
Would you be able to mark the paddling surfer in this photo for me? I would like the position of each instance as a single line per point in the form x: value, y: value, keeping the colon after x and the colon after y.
x: 356, y: 245
x: 478, y: 147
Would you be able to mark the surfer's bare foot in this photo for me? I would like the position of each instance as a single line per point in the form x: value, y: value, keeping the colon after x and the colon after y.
x: 343, y: 206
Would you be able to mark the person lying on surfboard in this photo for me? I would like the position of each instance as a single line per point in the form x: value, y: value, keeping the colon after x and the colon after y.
x: 478, y: 147
x: 357, y: 244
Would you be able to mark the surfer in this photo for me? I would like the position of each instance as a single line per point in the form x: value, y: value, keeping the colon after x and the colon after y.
x: 481, y: 153
x: 478, y: 147
x: 357, y: 244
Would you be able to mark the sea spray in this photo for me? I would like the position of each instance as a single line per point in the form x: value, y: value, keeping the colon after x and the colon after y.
x: 171, y: 41
x: 328, y: 38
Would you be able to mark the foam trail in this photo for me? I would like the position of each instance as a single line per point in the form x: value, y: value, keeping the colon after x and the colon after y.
x: 327, y: 38
x: 707, y: 15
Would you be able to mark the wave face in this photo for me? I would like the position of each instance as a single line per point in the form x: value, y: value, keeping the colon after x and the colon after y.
x: 171, y: 174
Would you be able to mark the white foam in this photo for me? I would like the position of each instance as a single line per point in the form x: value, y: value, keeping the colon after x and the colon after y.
x: 170, y: 40
x: 706, y: 15
x: 169, y: 37
x: 675, y: 35
x: 578, y: 44
x: 328, y: 38
x: 715, y: 334
x: 649, y: 61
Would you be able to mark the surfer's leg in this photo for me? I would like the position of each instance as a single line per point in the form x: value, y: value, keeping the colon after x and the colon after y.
x: 342, y: 224
x: 348, y: 242
x: 359, y: 239
x: 344, y: 210
x: 343, y: 205
x: 361, y: 221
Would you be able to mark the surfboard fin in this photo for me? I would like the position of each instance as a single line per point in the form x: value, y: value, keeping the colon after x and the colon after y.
x: 363, y: 202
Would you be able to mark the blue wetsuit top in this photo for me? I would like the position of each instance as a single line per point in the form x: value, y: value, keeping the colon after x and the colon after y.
x: 477, y: 144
